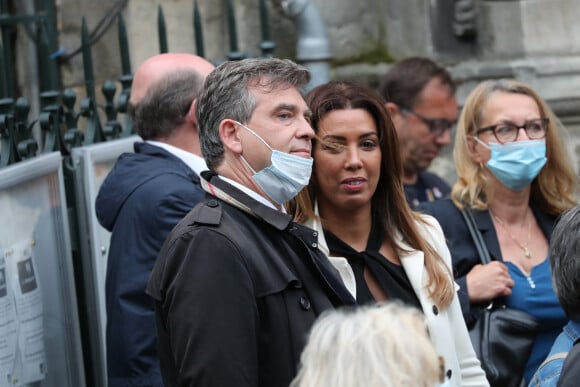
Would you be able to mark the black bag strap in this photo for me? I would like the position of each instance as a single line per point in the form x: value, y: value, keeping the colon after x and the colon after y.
x: 476, y: 235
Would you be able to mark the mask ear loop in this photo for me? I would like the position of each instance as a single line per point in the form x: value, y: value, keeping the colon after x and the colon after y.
x: 481, y: 142
x: 255, y: 135
x: 259, y: 138
x: 477, y: 139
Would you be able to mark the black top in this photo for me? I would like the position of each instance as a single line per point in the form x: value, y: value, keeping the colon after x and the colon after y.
x: 391, y: 277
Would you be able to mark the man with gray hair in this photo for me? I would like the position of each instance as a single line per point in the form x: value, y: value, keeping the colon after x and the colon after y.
x: 144, y: 196
x: 238, y: 284
x: 565, y: 266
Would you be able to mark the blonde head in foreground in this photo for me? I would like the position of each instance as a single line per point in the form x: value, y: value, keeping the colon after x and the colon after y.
x: 383, y: 345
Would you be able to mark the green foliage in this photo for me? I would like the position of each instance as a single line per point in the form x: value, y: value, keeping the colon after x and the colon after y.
x: 378, y: 53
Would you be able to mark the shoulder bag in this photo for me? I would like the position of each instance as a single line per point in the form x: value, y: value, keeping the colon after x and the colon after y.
x: 502, y: 337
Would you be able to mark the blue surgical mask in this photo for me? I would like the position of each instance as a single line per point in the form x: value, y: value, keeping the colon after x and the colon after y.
x: 516, y: 164
x: 284, y: 177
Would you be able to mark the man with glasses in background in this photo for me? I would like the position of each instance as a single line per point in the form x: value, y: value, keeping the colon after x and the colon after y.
x: 421, y: 101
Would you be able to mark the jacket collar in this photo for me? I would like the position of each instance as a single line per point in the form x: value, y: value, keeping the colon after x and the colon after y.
x: 215, y: 186
x: 156, y: 151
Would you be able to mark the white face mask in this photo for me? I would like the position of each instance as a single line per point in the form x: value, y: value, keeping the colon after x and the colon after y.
x: 284, y: 177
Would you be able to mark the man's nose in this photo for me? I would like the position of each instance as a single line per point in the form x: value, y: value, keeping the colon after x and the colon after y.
x: 305, y: 130
x: 444, y: 138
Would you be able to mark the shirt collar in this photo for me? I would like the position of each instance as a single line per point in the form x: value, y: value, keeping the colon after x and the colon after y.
x: 254, y: 195
x: 193, y: 161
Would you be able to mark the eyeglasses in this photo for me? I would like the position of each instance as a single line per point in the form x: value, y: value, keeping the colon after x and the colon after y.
x: 508, y: 131
x: 437, y: 126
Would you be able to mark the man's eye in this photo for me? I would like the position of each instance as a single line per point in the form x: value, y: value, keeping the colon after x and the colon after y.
x: 442, y: 125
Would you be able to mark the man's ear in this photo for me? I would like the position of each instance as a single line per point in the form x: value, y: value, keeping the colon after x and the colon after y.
x: 190, y: 116
x: 392, y: 108
x: 228, y: 132
x: 395, y: 113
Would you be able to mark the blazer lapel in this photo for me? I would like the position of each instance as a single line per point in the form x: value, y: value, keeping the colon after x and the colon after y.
x: 414, y: 265
x: 545, y: 221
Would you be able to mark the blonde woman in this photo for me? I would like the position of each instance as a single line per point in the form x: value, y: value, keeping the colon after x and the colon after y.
x: 382, y: 345
x: 515, y: 175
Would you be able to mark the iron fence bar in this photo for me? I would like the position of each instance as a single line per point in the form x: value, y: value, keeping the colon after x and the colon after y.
x: 126, y: 79
x: 123, y: 46
x: 3, y: 74
x: 87, y: 61
x: 197, y: 28
x: 264, y: 23
x: 234, y: 53
x: 49, y: 9
x: 7, y: 19
x: 267, y: 45
x: 48, y: 24
x: 7, y: 32
x: 49, y: 72
x: 43, y: 58
x: 93, y: 132
x: 50, y: 20
x: 162, y: 31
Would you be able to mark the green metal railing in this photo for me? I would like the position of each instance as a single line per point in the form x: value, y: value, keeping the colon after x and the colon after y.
x: 60, y: 128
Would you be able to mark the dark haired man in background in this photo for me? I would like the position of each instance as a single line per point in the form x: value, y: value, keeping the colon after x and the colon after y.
x: 421, y: 100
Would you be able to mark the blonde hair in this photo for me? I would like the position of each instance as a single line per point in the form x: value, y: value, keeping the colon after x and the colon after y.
x: 553, y: 191
x: 379, y: 345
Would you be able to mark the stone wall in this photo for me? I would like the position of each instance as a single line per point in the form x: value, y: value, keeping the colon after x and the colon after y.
x: 531, y: 40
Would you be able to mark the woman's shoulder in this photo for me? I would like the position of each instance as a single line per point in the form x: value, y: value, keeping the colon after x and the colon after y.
x: 443, y: 210
x: 432, y: 232
x: 429, y: 227
x: 437, y: 206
